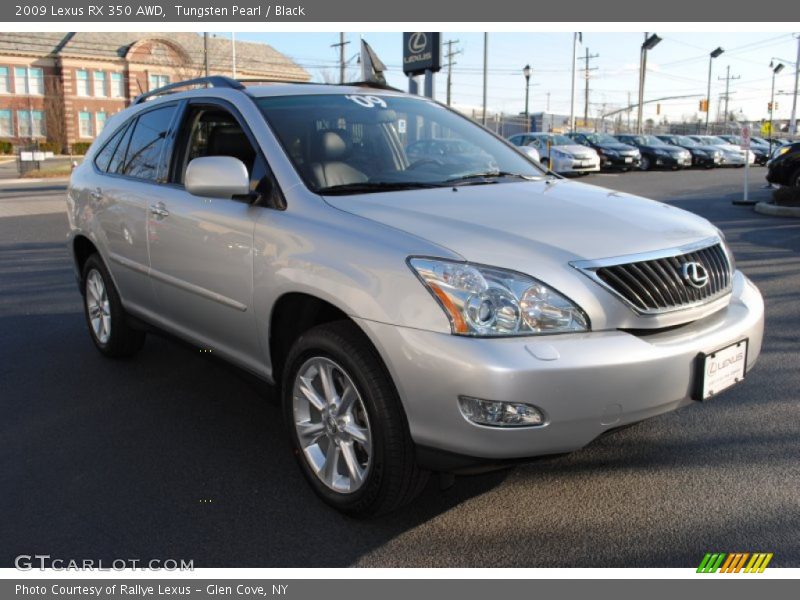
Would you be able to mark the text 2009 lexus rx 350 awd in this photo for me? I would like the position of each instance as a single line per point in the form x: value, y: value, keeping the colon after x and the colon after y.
x: 417, y: 315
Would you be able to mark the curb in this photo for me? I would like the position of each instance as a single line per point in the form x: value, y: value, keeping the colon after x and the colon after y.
x: 777, y: 211
x: 22, y: 180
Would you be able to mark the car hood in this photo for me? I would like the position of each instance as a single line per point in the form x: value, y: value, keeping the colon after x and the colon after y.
x: 616, y: 147
x: 574, y: 149
x: 539, y: 228
x: 511, y: 224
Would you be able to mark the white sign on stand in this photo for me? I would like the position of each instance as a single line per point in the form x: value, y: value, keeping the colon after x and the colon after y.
x: 746, y: 148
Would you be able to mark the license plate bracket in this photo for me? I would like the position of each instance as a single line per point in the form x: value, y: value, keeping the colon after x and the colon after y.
x: 719, y: 370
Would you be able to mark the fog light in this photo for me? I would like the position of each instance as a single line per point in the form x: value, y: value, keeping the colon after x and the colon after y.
x: 499, y: 414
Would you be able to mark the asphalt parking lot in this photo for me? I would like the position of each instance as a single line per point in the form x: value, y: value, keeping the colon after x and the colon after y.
x: 176, y: 455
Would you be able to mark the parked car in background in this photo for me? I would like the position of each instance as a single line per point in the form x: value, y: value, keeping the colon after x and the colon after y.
x: 707, y: 157
x: 613, y: 153
x: 451, y: 152
x: 761, y: 152
x: 784, y: 166
x: 656, y: 153
x: 733, y: 155
x: 559, y: 153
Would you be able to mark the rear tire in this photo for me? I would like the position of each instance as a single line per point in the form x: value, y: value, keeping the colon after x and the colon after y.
x: 373, y: 470
x: 105, y: 316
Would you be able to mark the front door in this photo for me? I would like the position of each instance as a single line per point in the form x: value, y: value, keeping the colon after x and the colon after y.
x: 201, y: 249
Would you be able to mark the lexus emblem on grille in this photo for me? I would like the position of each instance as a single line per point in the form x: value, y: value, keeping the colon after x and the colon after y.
x: 695, y: 274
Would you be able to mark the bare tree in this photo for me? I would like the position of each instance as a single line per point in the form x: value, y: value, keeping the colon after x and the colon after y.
x: 55, y: 116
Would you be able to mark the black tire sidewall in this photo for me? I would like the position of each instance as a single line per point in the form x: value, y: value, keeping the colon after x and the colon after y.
x: 119, y: 342
x: 316, y: 343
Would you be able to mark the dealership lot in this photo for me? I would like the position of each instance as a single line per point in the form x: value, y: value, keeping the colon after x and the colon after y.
x: 176, y: 455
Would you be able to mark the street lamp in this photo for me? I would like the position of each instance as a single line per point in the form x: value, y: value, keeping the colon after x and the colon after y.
x: 526, y: 71
x: 714, y: 54
x: 650, y: 42
x: 775, y: 70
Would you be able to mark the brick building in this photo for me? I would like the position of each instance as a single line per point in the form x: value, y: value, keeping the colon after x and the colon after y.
x: 62, y: 87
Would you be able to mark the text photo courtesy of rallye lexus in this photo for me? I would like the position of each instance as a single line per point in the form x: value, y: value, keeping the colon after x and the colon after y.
x: 416, y: 314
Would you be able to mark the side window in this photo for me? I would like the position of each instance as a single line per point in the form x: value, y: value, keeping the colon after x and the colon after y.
x: 212, y: 131
x: 103, y: 157
x: 118, y: 158
x: 146, y: 143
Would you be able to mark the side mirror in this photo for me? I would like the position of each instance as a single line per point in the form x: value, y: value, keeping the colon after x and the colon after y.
x: 530, y: 152
x: 217, y: 177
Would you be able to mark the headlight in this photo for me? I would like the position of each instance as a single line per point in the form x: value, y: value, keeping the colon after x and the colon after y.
x: 780, y: 151
x: 486, y: 301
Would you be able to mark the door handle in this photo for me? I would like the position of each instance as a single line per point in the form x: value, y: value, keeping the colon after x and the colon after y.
x: 159, y: 210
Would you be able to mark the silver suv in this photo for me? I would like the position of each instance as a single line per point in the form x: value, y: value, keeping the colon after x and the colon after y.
x: 418, y: 311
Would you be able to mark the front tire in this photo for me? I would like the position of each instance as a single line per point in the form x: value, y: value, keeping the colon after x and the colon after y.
x: 346, y: 424
x: 105, y: 316
x: 644, y: 165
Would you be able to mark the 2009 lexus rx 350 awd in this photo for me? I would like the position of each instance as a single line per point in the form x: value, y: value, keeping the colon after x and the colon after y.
x: 416, y: 315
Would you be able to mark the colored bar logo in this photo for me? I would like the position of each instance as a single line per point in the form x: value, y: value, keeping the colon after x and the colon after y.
x: 736, y: 562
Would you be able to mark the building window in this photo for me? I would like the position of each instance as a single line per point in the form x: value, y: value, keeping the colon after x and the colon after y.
x: 100, y: 121
x: 100, y: 83
x: 37, y: 124
x: 30, y: 81
x: 5, y: 81
x: 85, y: 129
x: 82, y: 77
x: 157, y: 81
x: 117, y: 85
x: 24, y: 123
x: 6, y: 127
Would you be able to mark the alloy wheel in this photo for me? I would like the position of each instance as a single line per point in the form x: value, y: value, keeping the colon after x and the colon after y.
x: 98, y: 307
x: 332, y: 425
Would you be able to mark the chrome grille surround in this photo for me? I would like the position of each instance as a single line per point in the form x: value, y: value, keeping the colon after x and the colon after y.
x: 652, y: 283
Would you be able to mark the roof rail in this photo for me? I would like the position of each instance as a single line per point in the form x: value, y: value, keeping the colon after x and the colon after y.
x: 367, y: 84
x: 211, y: 81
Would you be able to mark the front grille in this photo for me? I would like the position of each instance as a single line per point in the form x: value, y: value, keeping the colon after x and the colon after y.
x: 660, y: 284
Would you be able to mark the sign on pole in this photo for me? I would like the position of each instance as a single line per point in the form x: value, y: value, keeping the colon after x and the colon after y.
x: 746, y: 147
x: 421, y: 52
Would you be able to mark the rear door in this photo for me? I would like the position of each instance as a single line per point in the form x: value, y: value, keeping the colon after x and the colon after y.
x: 131, y: 167
x: 201, y: 249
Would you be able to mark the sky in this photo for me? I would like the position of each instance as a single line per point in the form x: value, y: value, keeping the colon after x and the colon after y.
x: 678, y: 66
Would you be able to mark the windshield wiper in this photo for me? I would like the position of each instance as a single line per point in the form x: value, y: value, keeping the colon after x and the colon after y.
x: 486, y: 177
x: 366, y: 187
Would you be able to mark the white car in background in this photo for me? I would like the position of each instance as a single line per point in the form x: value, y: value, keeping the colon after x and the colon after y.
x: 732, y: 155
x: 559, y: 153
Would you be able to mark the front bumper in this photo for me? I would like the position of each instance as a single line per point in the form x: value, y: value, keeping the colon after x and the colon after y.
x: 585, y: 383
x: 672, y: 161
x: 571, y: 165
x: 703, y: 160
x: 620, y: 162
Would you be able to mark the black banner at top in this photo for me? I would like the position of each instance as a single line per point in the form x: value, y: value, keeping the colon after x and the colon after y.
x: 32, y: 11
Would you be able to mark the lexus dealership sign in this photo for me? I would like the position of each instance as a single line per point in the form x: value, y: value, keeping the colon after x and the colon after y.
x: 421, y: 52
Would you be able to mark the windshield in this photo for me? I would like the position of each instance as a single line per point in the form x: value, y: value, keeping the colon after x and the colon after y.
x: 644, y: 140
x: 686, y: 141
x: 560, y: 140
x: 373, y: 142
x: 714, y: 140
x: 601, y: 138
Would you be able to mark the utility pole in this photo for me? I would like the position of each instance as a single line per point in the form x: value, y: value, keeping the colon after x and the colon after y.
x: 793, y: 118
x: 485, y: 74
x: 728, y: 77
x: 205, y: 51
x: 233, y: 54
x: 342, y: 43
x: 629, y: 112
x: 450, y: 55
x: 548, y: 102
x: 576, y: 37
x: 586, y: 70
